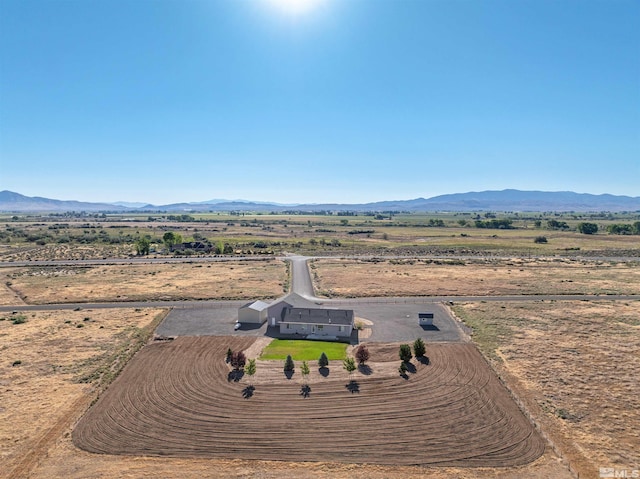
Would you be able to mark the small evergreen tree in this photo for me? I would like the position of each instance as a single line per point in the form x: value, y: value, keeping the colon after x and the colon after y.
x: 405, y: 353
x: 349, y: 364
x: 323, y: 362
x: 289, y: 366
x: 419, y: 348
x: 402, y: 369
x: 304, y: 370
x: 229, y: 354
x: 251, y: 368
x: 362, y: 354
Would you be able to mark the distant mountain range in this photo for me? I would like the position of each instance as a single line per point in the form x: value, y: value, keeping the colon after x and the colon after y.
x: 505, y: 200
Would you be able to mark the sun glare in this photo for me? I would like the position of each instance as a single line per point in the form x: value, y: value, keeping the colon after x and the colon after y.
x: 295, y: 7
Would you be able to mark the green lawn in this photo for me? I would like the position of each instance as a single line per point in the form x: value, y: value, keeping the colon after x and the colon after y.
x: 303, y: 350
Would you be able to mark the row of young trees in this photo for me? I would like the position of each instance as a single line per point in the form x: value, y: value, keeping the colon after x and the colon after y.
x: 419, y: 350
x: 361, y: 355
x: 238, y: 361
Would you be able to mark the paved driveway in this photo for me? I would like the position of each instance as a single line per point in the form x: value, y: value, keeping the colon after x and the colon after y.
x: 392, y: 322
x: 205, y: 321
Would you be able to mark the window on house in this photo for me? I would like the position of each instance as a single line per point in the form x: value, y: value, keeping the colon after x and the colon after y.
x: 320, y: 326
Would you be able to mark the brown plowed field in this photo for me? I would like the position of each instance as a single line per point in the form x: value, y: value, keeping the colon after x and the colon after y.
x: 174, y: 399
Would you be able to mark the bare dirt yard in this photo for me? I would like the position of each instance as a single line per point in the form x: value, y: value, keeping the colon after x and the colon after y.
x: 470, y: 277
x: 51, y: 363
x: 176, y: 399
x: 575, y: 365
x: 139, y: 282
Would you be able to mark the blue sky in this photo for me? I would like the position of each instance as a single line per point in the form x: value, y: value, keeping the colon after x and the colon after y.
x: 347, y: 101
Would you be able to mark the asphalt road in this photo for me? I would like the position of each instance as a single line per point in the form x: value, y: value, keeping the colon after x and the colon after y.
x: 301, y: 277
x: 211, y: 304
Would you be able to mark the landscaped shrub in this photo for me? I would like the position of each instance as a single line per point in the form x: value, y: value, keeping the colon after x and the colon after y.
x: 349, y: 364
x: 289, y: 366
x: 238, y: 360
x: 323, y: 362
x: 419, y: 348
x: 251, y: 368
x: 362, y: 354
x: 304, y: 370
x: 405, y: 353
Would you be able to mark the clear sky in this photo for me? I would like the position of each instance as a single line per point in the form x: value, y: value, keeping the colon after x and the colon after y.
x: 332, y: 101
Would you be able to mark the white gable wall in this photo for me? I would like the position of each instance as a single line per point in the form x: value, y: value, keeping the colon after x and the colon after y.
x: 255, y: 313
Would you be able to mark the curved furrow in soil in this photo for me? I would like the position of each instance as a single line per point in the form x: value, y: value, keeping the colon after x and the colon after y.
x: 176, y: 399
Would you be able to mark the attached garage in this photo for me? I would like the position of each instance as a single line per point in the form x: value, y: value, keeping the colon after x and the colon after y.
x: 254, y: 313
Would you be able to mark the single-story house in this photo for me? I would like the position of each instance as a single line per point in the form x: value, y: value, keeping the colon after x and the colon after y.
x: 197, y: 246
x: 317, y: 323
x: 299, y: 317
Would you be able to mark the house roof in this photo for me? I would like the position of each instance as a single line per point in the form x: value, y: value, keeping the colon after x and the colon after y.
x: 318, y: 316
x: 296, y: 301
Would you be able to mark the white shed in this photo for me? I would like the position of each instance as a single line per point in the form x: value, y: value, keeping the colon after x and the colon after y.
x: 425, y: 319
x: 255, y: 312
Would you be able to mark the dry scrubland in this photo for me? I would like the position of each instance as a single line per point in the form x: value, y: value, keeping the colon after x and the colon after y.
x: 64, y: 252
x: 140, y: 282
x: 50, y: 366
x: 415, y: 241
x: 409, y: 235
x: 576, y: 367
x: 424, y: 277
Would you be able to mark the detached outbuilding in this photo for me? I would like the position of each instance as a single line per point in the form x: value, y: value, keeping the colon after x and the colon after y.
x: 425, y: 319
x: 253, y: 313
